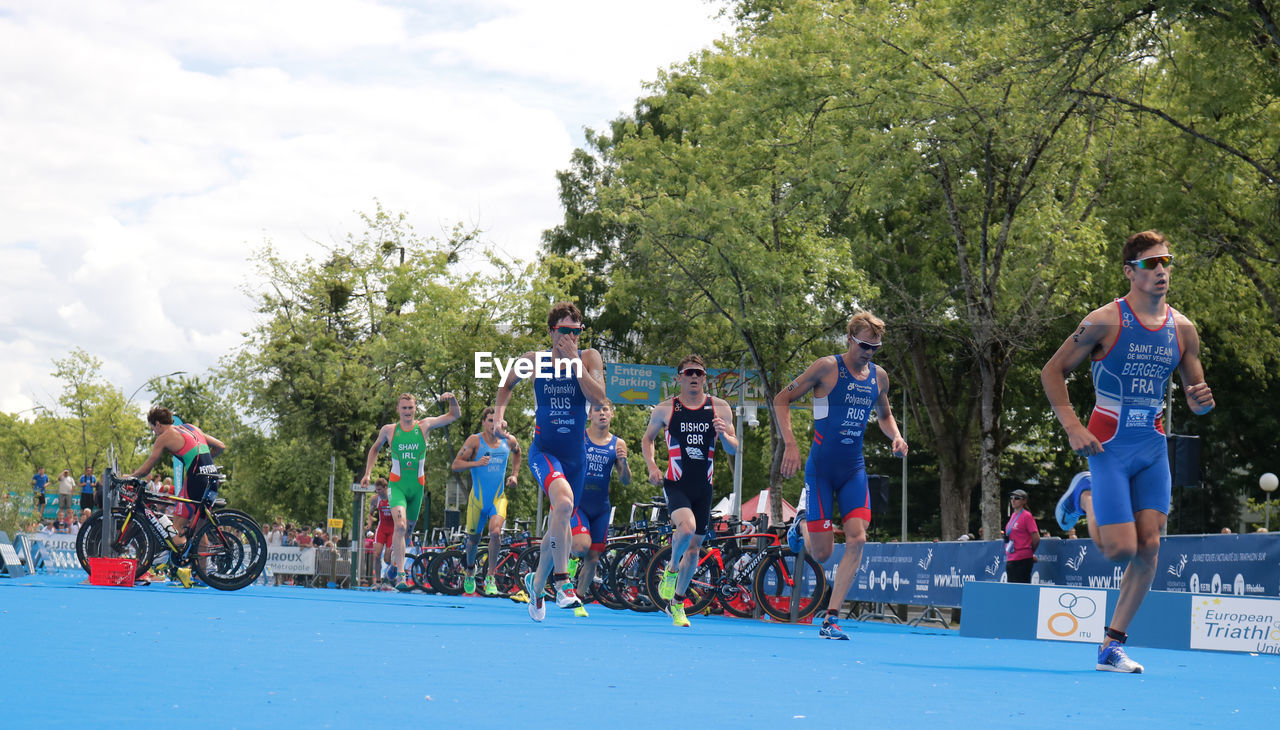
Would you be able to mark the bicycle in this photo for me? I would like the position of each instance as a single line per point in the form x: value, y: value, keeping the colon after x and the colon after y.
x: 225, y: 547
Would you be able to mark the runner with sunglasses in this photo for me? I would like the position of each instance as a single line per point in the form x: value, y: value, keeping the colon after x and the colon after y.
x: 846, y: 388
x: 571, y: 379
x: 693, y: 420
x: 1135, y: 344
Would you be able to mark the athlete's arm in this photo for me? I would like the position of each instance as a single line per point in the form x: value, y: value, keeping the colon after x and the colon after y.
x: 1082, y: 343
x: 592, y: 379
x: 657, y: 422
x: 722, y: 422
x: 215, y: 446
x: 444, y: 419
x: 884, y: 415
x: 622, y: 465
x: 517, y: 457
x: 807, y: 381
x: 504, y: 396
x: 463, y: 459
x: 1191, y: 371
x: 373, y: 453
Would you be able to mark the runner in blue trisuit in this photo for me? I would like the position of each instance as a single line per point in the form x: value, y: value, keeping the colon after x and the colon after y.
x: 1135, y: 344
x: 590, y: 524
x: 557, y: 455
x: 846, y: 388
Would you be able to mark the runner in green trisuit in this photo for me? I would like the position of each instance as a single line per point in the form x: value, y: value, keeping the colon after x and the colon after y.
x: 407, y: 481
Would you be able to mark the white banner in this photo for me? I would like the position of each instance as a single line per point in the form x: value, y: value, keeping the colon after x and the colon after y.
x: 291, y: 560
x: 57, y: 551
x: 1071, y: 614
x: 1235, y: 624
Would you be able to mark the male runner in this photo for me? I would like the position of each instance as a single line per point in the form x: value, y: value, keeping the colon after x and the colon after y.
x: 1135, y: 344
x: 693, y: 421
x: 408, y: 480
x: 557, y: 456
x: 486, y: 455
x: 846, y: 387
x: 384, y: 531
x: 196, y: 450
x: 590, y: 525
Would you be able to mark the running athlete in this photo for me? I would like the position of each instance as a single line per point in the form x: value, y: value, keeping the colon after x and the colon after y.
x: 693, y: 421
x: 565, y: 380
x: 846, y: 388
x: 486, y: 455
x: 1135, y: 344
x: 590, y: 525
x: 196, y: 450
x: 385, y: 529
x: 408, y: 478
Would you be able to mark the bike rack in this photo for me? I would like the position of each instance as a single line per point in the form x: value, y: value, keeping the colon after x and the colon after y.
x: 879, y: 614
x: 930, y: 615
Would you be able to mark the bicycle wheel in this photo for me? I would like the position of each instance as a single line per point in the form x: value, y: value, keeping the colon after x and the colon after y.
x: 230, y: 553
x: 507, y: 573
x: 774, y: 580
x: 702, y: 586
x: 528, y: 563
x: 735, y: 592
x: 420, y: 572
x: 135, y: 543
x: 446, y: 572
x: 602, y: 587
x: 630, y: 576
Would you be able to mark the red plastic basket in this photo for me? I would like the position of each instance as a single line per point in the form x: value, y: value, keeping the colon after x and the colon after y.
x: 112, y: 571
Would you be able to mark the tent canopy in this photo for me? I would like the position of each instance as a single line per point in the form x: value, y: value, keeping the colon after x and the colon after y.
x: 754, y: 505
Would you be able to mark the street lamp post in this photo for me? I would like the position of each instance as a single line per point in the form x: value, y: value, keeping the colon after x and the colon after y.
x: 1268, y: 482
x: 151, y: 380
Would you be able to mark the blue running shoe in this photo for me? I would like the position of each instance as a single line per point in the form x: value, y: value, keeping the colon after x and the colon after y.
x: 1068, y: 510
x: 831, y: 630
x: 1111, y: 658
x: 795, y: 538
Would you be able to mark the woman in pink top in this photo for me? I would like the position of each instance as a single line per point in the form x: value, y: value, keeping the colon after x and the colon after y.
x: 1021, y: 538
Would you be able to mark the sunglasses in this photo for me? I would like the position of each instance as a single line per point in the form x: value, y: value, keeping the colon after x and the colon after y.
x: 866, y: 345
x: 693, y: 373
x: 569, y: 330
x: 1151, y: 262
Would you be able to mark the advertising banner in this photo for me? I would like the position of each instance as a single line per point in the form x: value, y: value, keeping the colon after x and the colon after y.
x: 1235, y: 624
x: 291, y: 560
x: 1071, y: 614
x: 58, y: 552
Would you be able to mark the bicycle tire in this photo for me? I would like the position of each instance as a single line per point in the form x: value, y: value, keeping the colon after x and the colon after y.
x: 702, y: 586
x: 259, y: 539
x: 630, y: 574
x: 736, y: 594
x: 420, y: 572
x: 227, y: 551
x: 137, y: 544
x: 446, y: 572
x: 528, y: 563
x: 507, y: 573
x: 773, y: 581
x: 601, y: 588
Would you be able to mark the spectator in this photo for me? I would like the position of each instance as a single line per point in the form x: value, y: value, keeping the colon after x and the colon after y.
x: 1021, y: 538
x: 88, y: 489
x: 1226, y: 531
x: 38, y: 483
x: 303, y: 539
x: 166, y: 486
x: 276, y: 536
x: 1071, y: 534
x: 66, y: 489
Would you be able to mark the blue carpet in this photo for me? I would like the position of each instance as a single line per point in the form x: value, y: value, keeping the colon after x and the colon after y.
x: 158, y: 656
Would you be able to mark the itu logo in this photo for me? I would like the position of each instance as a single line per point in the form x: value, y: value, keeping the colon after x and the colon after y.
x: 1078, y: 608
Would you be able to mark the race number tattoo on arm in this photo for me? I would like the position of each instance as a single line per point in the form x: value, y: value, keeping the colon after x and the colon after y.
x: 1083, y: 326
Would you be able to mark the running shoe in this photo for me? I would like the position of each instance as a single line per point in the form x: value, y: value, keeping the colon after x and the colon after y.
x: 580, y: 611
x: 831, y: 630
x: 490, y: 586
x: 573, y: 568
x: 667, y: 588
x: 519, y: 597
x: 184, y: 577
x: 1068, y: 510
x: 676, y: 609
x: 1111, y: 658
x: 469, y: 585
x: 567, y: 596
x: 537, y: 605
x: 795, y: 538
x: 391, y: 574
x: 403, y: 585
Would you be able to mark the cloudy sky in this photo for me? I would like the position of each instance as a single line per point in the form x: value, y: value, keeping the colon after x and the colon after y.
x: 147, y: 149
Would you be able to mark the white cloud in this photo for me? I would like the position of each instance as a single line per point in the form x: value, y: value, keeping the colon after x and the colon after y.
x: 151, y: 147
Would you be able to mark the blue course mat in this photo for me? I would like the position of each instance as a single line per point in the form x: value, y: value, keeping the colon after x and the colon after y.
x: 160, y: 656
